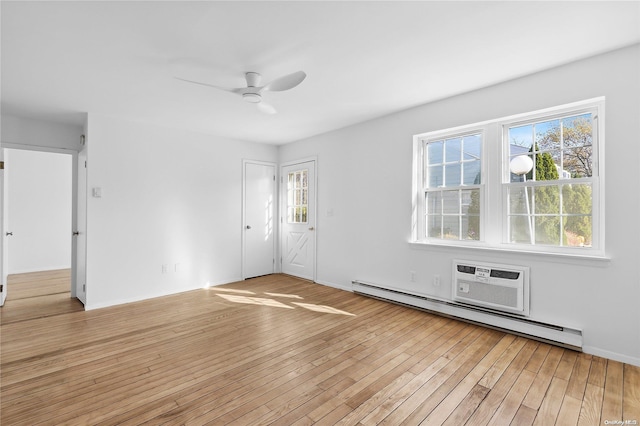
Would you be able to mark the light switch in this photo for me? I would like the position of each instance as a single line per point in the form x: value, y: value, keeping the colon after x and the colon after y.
x: 96, y: 192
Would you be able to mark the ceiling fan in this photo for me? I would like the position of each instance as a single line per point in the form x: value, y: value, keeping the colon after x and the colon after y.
x: 253, y: 92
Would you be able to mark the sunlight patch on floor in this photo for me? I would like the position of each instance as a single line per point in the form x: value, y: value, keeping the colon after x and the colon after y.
x: 232, y: 290
x: 250, y: 298
x: 254, y: 301
x: 323, y: 308
x: 289, y: 296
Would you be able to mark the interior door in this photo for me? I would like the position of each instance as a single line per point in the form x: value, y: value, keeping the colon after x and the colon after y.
x: 299, y: 219
x: 3, y: 245
x: 80, y: 233
x: 259, y: 219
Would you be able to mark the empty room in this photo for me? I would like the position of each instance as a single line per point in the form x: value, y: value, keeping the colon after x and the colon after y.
x: 320, y: 212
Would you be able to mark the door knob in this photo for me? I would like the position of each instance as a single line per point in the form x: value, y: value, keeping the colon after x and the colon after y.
x: 248, y: 227
x: 9, y: 233
x: 76, y: 233
x: 311, y: 228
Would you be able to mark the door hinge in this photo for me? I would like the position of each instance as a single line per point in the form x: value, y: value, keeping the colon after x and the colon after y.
x: 84, y: 288
x: 274, y: 178
x: 1, y: 165
x: 85, y: 164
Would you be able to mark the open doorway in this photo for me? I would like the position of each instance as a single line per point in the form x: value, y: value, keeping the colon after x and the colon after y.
x: 38, y: 223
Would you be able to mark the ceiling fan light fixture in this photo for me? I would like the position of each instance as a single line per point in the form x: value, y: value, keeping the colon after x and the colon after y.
x: 253, y: 98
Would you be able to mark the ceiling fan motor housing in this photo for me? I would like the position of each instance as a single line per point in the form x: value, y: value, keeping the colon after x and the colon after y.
x: 253, y: 79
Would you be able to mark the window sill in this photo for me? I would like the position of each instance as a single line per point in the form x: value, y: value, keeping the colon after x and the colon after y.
x: 555, y: 256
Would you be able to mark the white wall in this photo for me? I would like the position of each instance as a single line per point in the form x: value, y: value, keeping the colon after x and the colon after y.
x: 168, y: 197
x: 365, y: 178
x: 39, y: 210
x: 38, y: 133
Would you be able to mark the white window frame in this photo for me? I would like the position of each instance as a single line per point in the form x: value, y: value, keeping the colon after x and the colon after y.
x: 495, y: 181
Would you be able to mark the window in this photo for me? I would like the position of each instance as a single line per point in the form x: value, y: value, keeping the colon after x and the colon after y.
x: 297, y: 194
x: 452, y: 187
x: 530, y: 182
x: 549, y: 190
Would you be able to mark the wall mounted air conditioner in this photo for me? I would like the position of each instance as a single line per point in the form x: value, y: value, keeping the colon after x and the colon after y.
x: 503, y: 288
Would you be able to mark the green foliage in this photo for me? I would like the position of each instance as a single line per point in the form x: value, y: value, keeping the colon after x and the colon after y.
x: 547, y: 198
x: 577, y: 200
x: 545, y: 167
x: 473, y: 232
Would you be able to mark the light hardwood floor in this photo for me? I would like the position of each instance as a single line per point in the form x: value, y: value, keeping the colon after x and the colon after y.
x: 39, y: 294
x: 279, y: 350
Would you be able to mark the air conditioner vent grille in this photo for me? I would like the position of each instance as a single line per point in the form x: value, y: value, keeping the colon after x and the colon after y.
x: 489, y: 293
x: 507, y: 275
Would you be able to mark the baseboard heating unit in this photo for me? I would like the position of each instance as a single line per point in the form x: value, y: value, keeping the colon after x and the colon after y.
x: 504, y: 321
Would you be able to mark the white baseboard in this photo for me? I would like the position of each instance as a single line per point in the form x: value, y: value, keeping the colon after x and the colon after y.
x: 116, y: 302
x: 91, y: 306
x: 611, y: 355
x: 43, y: 269
x: 334, y: 285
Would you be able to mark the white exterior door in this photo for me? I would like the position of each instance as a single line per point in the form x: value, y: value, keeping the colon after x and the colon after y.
x: 80, y: 233
x: 259, y: 219
x: 299, y: 219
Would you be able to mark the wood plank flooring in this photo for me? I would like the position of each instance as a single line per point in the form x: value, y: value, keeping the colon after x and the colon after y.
x: 39, y: 294
x: 279, y: 350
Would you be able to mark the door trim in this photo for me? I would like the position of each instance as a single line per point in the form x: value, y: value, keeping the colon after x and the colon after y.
x: 276, y: 213
x: 283, y: 208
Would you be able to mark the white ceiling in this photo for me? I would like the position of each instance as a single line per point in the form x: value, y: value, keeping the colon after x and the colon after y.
x: 363, y: 59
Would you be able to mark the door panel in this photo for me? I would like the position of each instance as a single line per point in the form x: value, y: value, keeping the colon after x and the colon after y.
x: 259, y: 219
x: 299, y: 220
x: 297, y: 249
x: 3, y: 245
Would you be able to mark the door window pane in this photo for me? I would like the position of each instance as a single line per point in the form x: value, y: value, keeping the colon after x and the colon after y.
x: 297, y: 196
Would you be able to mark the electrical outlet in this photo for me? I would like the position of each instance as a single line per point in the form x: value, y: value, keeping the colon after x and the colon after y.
x: 412, y: 276
x: 436, y: 280
x: 164, y: 268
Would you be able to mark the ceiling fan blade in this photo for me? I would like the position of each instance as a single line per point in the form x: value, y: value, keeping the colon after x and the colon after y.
x: 211, y: 85
x: 285, y: 83
x: 266, y: 108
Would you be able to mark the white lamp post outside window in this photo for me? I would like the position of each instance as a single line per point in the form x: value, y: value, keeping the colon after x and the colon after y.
x: 521, y: 165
